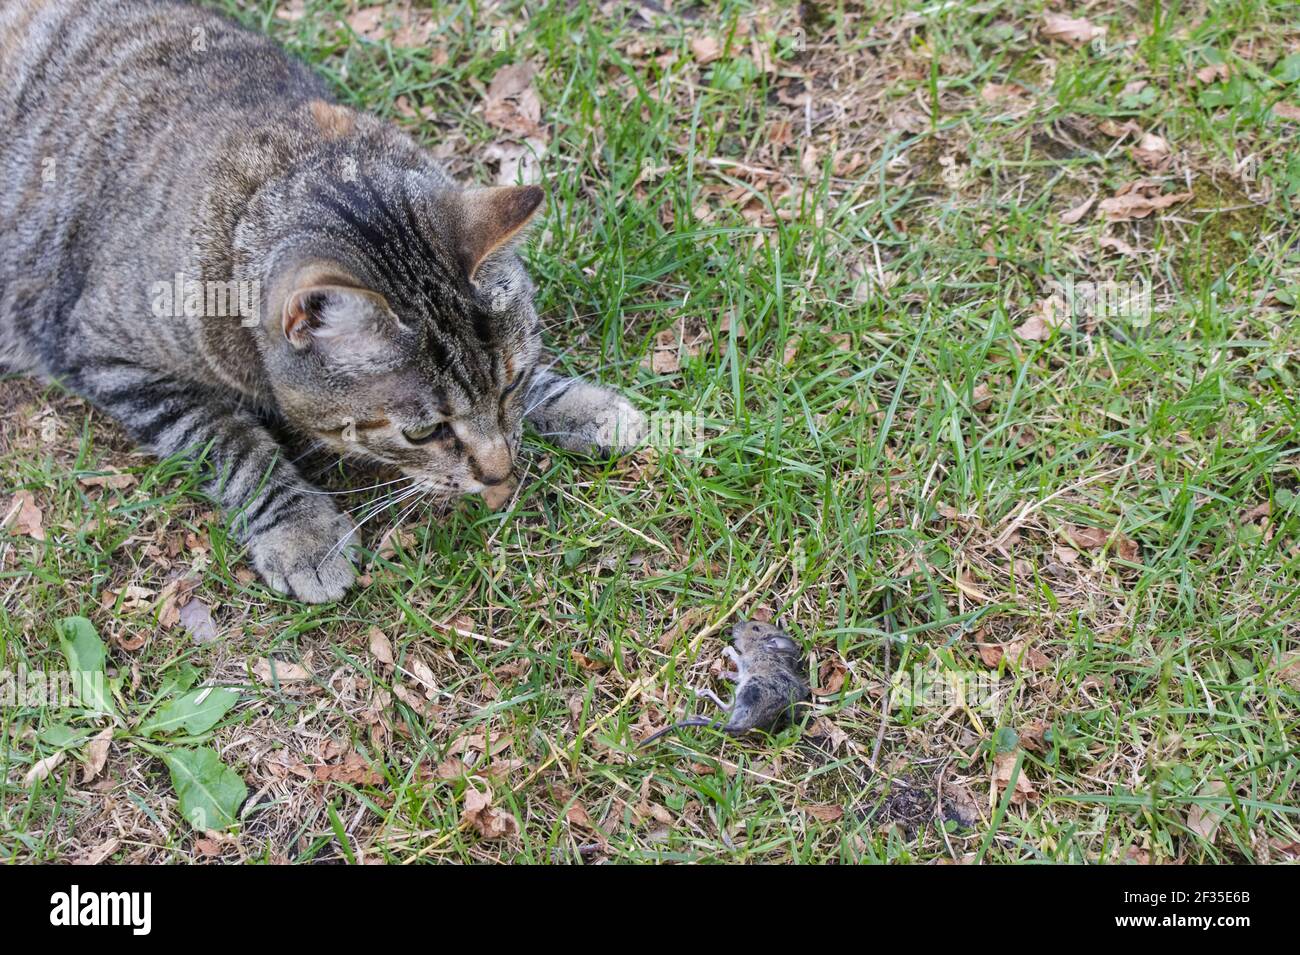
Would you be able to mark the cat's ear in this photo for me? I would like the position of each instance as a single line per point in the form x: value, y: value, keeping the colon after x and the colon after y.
x: 329, y: 315
x: 491, y: 218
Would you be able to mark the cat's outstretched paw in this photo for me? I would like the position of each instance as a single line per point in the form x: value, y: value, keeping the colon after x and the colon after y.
x: 307, y: 555
x: 616, y: 429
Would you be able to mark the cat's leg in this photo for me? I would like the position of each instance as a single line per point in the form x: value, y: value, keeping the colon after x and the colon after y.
x: 580, y: 416
x: 297, y: 539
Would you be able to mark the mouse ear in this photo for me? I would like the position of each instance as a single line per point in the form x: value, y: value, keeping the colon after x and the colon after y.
x: 781, y: 642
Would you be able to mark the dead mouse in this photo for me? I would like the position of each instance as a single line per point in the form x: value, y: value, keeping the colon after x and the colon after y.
x: 769, y: 681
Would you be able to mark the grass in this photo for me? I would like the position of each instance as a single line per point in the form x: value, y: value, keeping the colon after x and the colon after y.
x: 851, y: 240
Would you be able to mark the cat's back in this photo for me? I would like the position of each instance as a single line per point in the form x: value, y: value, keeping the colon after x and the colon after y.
x: 113, y: 115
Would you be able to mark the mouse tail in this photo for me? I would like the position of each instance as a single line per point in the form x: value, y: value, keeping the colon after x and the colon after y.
x: 693, y: 721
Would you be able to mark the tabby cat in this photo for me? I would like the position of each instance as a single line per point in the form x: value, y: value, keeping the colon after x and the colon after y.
x: 199, y: 239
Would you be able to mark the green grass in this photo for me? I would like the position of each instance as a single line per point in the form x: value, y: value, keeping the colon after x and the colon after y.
x: 852, y: 480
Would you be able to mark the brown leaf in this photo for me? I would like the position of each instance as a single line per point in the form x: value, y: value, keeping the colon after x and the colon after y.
x: 1023, y: 654
x: 517, y: 164
x: 97, y: 754
x: 353, y: 769
x: 824, y: 813
x: 665, y: 359
x: 996, y: 92
x: 24, y: 517
x: 1086, y: 538
x: 1212, y: 73
x: 1289, y: 669
x: 1003, y: 764
x: 174, y: 596
x: 1045, y: 319
x: 491, y: 823
x: 367, y: 22
x: 114, y: 479
x: 1117, y: 245
x: 197, y: 619
x: 1071, y: 30
x: 705, y: 49
x: 380, y: 647
x: 1078, y: 212
x: 1032, y: 736
x: 590, y: 664
x: 271, y: 671
x: 1139, y: 200
x: 1152, y: 152
x: 1204, y: 818
x: 1119, y: 130
x: 1287, y: 111
x: 512, y: 103
x: 42, y: 768
x: 832, y: 675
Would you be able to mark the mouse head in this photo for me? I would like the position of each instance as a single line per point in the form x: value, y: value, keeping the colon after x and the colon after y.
x: 753, y: 637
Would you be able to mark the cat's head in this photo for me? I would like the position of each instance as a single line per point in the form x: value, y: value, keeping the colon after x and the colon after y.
x: 401, y: 328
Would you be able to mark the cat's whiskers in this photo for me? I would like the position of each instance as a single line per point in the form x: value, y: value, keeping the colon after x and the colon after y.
x: 388, y: 500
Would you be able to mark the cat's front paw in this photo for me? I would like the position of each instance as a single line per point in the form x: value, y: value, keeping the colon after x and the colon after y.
x: 614, y: 428
x: 308, y: 555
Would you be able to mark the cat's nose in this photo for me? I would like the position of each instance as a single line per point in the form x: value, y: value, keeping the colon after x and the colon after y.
x: 491, y: 464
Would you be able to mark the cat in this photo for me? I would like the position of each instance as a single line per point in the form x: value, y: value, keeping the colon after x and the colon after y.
x: 200, y: 240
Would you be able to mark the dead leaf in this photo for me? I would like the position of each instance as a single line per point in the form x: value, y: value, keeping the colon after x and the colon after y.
x: 705, y: 49
x: 353, y: 769
x: 367, y: 22
x: 1287, y: 111
x: 996, y: 92
x: 1078, y: 212
x: 1289, y: 669
x: 197, y: 619
x: 174, y: 596
x: 1204, y: 818
x: 1074, y: 31
x: 1086, y: 538
x: 1003, y: 764
x: 114, y: 479
x: 512, y: 103
x: 960, y: 805
x: 24, y: 517
x: 824, y: 813
x: 517, y: 163
x: 270, y: 671
x: 1119, y: 130
x: 489, y: 822
x: 97, y: 754
x: 1255, y: 513
x: 42, y: 768
x: 1023, y: 654
x: 1152, y: 152
x: 1137, y: 200
x: 832, y: 676
x: 665, y: 359
x: 1117, y: 245
x: 1033, y: 736
x: 1047, y: 317
x: 1212, y: 73
x: 380, y: 647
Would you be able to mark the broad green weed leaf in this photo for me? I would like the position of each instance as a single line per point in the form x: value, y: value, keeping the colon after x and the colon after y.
x: 85, y: 654
x: 210, y: 792
x: 195, y: 712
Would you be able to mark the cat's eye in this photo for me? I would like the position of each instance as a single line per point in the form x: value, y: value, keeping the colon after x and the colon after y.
x: 426, y: 433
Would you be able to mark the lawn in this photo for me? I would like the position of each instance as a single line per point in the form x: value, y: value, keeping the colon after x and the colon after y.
x: 970, y: 339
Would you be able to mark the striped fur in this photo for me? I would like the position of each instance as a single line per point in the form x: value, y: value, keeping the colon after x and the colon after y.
x: 390, y: 319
